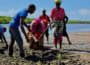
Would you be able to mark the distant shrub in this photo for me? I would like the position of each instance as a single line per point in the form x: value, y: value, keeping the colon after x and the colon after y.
x: 7, y: 19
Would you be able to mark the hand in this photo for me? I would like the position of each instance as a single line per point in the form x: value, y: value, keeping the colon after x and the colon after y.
x: 50, y: 28
x: 35, y: 40
x: 27, y: 40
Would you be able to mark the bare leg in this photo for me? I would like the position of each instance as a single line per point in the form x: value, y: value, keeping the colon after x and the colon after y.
x: 56, y: 46
x: 55, y: 42
x: 11, y: 47
x: 1, y: 38
x: 68, y: 39
x: 60, y: 41
x: 47, y: 36
x: 60, y: 45
x: 4, y: 39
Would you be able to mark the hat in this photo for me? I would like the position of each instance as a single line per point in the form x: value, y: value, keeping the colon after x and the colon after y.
x: 57, y: 1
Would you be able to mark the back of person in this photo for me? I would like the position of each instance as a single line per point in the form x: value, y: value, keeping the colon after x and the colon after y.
x: 16, y: 19
x: 37, y: 30
x: 37, y: 27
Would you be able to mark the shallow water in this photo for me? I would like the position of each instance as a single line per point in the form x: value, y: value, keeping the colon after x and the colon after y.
x: 70, y: 28
x: 78, y: 27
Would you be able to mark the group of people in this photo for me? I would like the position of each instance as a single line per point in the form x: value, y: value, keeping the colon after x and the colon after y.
x: 38, y: 27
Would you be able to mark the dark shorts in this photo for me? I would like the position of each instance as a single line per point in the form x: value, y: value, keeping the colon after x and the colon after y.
x: 65, y: 31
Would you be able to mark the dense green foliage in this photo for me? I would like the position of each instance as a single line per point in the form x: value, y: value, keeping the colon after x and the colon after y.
x: 6, y: 19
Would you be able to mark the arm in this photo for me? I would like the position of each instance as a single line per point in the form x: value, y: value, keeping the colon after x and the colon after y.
x: 4, y: 39
x: 65, y: 19
x: 22, y: 28
x: 52, y: 18
x: 26, y: 25
x: 48, y: 19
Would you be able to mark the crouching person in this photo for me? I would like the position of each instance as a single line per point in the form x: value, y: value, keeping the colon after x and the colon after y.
x: 35, y: 35
x: 2, y: 37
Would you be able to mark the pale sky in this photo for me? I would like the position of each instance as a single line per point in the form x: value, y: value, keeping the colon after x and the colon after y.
x: 75, y: 9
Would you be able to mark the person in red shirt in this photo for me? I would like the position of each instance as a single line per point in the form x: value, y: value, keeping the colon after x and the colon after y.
x: 45, y: 18
x: 57, y: 17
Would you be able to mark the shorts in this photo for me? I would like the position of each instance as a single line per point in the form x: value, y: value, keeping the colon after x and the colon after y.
x: 65, y: 33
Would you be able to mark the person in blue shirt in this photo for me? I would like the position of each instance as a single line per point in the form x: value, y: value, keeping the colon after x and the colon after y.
x: 19, y: 21
x: 2, y: 37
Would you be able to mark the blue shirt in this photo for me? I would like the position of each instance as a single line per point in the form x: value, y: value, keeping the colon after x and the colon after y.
x: 16, y: 19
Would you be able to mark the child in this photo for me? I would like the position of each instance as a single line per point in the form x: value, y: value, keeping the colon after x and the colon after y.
x: 57, y: 16
x: 34, y: 35
x: 2, y: 37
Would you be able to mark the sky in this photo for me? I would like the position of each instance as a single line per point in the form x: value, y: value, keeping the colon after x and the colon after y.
x: 75, y: 9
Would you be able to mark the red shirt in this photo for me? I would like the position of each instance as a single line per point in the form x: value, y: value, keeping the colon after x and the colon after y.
x: 57, y: 14
x: 44, y: 18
